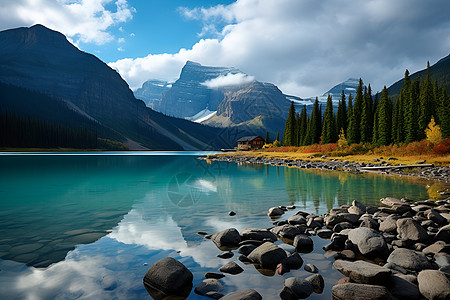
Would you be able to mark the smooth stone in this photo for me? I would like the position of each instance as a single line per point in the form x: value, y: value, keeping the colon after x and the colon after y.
x: 302, y: 288
x: 257, y: 234
x: 225, y: 255
x: 324, y: 233
x: 227, y: 238
x: 442, y: 260
x: 363, y: 272
x: 243, y: 295
x: 275, y: 212
x: 303, y: 242
x: 168, y: 277
x: 355, y: 210
x: 286, y: 231
x: 389, y: 201
x: 208, y: 285
x: 231, y: 268
x: 443, y: 234
x: 359, y: 205
x: 433, y: 284
x: 341, y: 226
x: 293, y: 261
x: 214, y: 295
x: 246, y: 249
x: 311, y: 268
x: 296, y: 220
x: 409, y: 259
x: 357, y: 291
x: 245, y: 259
x: 389, y: 224
x: 436, y: 217
x: 403, y: 289
x: 231, y: 213
x: 434, y: 248
x: 214, y: 275
x: 268, y: 255
x: 317, y: 283
x: 368, y: 241
x: 410, y: 230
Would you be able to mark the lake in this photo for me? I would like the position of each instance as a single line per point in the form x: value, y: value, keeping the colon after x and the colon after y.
x: 89, y: 225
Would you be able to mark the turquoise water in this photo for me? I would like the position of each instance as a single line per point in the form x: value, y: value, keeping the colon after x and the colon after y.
x: 89, y: 225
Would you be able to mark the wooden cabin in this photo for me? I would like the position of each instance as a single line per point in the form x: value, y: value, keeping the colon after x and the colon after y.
x: 250, y: 142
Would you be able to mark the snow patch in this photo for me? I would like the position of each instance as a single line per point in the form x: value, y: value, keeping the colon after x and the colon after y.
x: 201, y: 116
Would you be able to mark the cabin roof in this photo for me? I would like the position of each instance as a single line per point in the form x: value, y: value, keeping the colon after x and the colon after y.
x: 248, y: 138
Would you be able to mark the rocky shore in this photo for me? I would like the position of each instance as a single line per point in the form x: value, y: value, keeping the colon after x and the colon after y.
x: 425, y: 171
x: 395, y: 251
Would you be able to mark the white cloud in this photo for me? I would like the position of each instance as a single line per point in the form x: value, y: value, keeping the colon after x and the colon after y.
x: 86, y: 21
x: 228, y: 80
x: 306, y: 47
x: 121, y: 40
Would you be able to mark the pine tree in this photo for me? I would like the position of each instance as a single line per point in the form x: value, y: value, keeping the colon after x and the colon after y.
x: 289, y: 136
x: 278, y: 136
x: 297, y: 130
x: 411, y: 108
x: 314, y: 125
x: 367, y: 116
x: 354, y: 129
x: 375, y: 136
x: 349, y: 111
x: 267, y: 137
x: 341, y: 114
x: 329, y: 131
x: 384, y: 118
x: 426, y: 103
x: 303, y: 126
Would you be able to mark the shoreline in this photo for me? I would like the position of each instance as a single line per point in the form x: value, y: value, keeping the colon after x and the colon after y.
x: 428, y: 172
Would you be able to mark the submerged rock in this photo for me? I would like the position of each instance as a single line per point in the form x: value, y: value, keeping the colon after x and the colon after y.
x: 231, y: 268
x: 302, y: 288
x: 208, y: 285
x: 243, y: 295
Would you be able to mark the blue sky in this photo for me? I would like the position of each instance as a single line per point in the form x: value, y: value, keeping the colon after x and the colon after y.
x: 157, y: 27
x: 303, y: 46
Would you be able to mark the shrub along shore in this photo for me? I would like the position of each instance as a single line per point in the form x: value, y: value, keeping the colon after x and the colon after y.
x: 395, y: 251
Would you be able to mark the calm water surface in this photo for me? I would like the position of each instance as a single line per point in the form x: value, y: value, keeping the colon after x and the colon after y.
x: 89, y: 225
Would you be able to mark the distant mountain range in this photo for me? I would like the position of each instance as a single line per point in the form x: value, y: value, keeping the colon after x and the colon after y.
x: 42, y: 62
x: 226, y: 97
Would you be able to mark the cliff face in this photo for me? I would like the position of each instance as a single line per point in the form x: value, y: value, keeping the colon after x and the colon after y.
x: 42, y: 60
x: 189, y: 94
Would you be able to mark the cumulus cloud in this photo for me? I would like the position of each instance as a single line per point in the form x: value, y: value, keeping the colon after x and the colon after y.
x: 306, y: 47
x: 228, y: 80
x: 86, y: 21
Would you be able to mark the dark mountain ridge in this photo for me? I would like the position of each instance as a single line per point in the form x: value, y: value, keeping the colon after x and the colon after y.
x: 42, y: 60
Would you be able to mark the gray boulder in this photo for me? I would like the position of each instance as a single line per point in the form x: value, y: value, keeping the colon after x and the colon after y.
x: 168, y: 277
x: 410, y: 230
x: 317, y: 283
x: 436, y: 217
x: 443, y: 234
x: 403, y: 289
x: 358, y: 291
x: 286, y: 231
x: 302, y: 288
x: 434, y: 285
x: 389, y: 224
x: 296, y: 220
x: 243, y: 295
x: 227, y: 238
x: 275, y: 212
x: 231, y: 268
x: 363, y: 272
x: 208, y: 285
x: 409, y: 259
x: 293, y: 261
x: 368, y: 241
x: 311, y: 268
x: 257, y: 234
x: 303, y: 243
x: 268, y: 255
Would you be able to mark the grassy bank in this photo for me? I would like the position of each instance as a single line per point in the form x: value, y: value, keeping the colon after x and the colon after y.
x: 438, y: 160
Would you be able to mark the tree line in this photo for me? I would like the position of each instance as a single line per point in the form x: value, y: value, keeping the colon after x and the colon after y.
x: 24, y: 132
x: 379, y: 120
